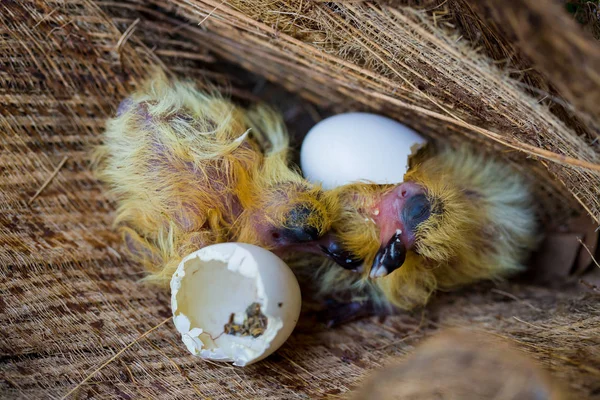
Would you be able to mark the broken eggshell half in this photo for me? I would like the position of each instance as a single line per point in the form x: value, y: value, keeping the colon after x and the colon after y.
x: 234, y: 302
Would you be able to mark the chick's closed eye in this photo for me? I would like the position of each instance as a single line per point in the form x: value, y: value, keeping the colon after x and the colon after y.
x: 300, y: 225
x: 416, y: 210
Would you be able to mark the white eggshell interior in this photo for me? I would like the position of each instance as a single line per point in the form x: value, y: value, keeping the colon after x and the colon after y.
x: 216, y: 281
x: 355, y: 147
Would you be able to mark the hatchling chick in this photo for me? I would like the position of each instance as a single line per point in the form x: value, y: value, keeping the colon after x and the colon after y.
x: 189, y: 168
x: 456, y: 365
x: 457, y: 218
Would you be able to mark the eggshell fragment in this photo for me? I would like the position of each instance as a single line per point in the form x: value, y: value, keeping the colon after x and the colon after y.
x: 355, y: 147
x: 215, y: 286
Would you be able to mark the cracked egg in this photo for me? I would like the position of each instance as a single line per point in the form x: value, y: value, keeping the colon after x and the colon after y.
x: 234, y: 302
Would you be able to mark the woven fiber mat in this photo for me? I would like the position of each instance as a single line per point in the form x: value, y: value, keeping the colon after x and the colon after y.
x: 75, y: 320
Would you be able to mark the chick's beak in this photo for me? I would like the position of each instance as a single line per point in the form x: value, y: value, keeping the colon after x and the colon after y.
x: 331, y: 246
x: 399, y: 212
x: 389, y: 258
x: 332, y: 249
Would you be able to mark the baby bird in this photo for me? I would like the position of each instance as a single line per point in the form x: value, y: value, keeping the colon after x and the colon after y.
x: 190, y: 169
x: 457, y: 218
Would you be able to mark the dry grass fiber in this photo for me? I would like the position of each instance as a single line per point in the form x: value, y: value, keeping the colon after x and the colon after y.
x: 416, y: 66
x: 73, y: 316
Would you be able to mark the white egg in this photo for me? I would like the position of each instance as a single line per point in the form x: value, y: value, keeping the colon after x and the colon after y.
x: 223, y: 284
x: 354, y: 147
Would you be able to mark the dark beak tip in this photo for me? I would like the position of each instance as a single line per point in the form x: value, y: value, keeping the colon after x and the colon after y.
x: 389, y: 258
x: 343, y: 258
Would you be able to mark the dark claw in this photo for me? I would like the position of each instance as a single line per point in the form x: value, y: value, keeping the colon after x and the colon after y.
x: 340, y: 313
x: 389, y: 258
x: 343, y: 258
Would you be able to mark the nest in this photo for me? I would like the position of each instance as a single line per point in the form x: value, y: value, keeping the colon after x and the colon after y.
x: 415, y: 66
x: 520, y: 77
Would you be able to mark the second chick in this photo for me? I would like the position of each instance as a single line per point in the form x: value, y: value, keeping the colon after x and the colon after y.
x: 458, y: 218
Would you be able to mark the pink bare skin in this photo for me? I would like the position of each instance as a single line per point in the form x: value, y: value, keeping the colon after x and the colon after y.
x: 399, y: 211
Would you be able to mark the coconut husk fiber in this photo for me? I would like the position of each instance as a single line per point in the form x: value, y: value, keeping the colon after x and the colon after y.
x: 74, y: 317
x: 415, y: 65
